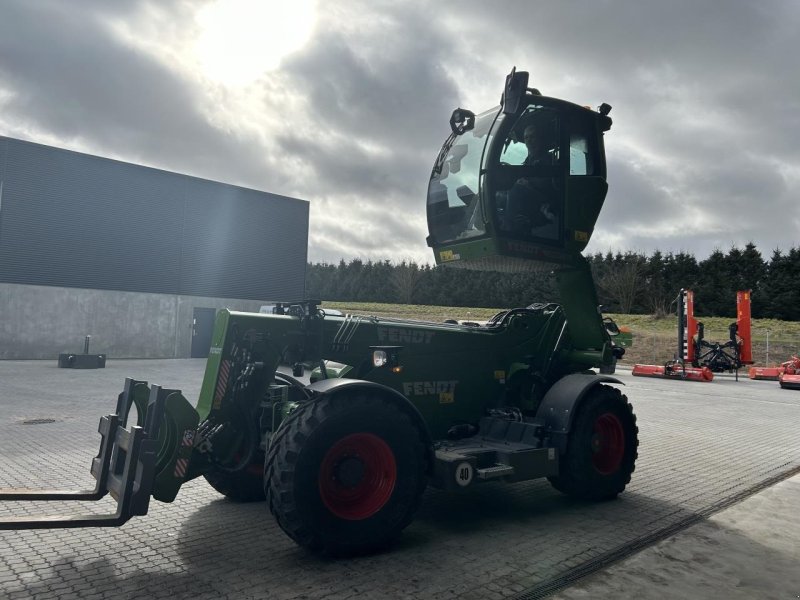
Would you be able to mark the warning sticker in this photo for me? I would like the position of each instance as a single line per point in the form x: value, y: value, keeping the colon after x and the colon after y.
x: 464, y: 474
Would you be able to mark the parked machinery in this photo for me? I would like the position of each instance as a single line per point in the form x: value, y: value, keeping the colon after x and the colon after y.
x: 788, y: 373
x: 340, y: 421
x: 698, y: 359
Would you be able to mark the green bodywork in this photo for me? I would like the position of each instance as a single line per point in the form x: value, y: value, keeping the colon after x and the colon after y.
x: 451, y: 373
x: 489, y: 207
x: 487, y: 198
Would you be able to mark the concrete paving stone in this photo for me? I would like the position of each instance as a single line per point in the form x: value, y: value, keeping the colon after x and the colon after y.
x: 82, y: 585
x: 750, y: 550
x: 692, y: 455
x: 93, y: 595
x: 56, y: 585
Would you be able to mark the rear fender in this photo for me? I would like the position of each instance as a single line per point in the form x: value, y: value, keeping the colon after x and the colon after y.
x: 328, y: 387
x: 562, y: 401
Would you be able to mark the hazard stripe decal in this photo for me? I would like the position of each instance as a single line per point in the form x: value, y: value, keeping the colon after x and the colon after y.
x: 180, y: 467
x: 222, y: 382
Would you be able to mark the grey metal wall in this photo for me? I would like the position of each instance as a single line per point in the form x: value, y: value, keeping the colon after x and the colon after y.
x: 74, y: 220
x: 39, y: 322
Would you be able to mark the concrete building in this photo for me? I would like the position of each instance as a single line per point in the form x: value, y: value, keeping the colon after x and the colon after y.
x: 138, y: 258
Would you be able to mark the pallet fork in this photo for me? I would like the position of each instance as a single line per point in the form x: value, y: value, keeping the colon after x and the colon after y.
x: 125, y: 467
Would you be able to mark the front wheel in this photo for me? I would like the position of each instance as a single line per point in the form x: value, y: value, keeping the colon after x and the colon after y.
x: 239, y: 474
x: 242, y: 485
x: 601, y: 449
x: 345, y: 473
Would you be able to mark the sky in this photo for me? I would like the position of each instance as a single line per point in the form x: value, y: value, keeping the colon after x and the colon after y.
x: 345, y: 103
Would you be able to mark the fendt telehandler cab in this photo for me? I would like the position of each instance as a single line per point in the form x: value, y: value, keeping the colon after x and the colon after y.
x: 340, y: 421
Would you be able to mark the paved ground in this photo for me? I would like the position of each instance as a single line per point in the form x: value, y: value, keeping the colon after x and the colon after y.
x: 704, y: 448
x: 750, y: 550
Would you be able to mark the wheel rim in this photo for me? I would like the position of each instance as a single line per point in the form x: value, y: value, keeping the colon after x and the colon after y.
x: 608, y: 443
x: 357, y: 476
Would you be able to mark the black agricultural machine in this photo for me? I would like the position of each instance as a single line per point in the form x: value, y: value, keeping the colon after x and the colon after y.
x: 341, y: 421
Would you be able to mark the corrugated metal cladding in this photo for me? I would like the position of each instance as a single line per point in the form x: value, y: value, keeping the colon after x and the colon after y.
x: 75, y: 220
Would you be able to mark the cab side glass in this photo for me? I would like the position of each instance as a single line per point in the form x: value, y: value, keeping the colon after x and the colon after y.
x: 580, y: 157
x: 534, y: 138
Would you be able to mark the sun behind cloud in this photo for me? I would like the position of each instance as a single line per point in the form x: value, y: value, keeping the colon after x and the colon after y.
x: 240, y: 40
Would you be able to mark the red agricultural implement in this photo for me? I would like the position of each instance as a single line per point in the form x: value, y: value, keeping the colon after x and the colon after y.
x: 788, y: 373
x: 674, y: 369
x: 790, y: 381
x: 698, y: 359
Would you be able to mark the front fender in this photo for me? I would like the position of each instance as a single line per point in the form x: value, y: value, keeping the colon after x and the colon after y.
x: 561, y: 402
x: 326, y: 387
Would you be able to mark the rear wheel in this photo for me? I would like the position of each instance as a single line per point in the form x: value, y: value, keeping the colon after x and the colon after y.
x: 602, y: 447
x: 345, y: 473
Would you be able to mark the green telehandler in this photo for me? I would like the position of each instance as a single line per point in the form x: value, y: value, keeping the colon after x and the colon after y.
x: 341, y: 421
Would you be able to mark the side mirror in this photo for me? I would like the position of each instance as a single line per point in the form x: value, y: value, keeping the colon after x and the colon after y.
x: 516, y: 86
x: 462, y: 120
x: 611, y: 326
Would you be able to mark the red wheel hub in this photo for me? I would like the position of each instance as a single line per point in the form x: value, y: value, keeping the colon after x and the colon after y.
x: 608, y: 443
x: 357, y: 476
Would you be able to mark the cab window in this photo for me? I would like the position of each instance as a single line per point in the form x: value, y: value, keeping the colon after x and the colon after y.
x: 454, y: 211
x: 528, y: 200
x: 534, y: 139
x: 580, y: 156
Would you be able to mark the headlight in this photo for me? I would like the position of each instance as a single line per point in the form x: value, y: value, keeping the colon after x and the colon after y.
x: 379, y: 358
x: 386, y: 356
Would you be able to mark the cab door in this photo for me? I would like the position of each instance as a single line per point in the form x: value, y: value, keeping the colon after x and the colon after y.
x: 586, y: 185
x: 525, y: 178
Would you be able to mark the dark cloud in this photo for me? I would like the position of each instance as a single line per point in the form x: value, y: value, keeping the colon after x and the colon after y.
x: 378, y: 103
x: 72, y: 79
x: 702, y: 153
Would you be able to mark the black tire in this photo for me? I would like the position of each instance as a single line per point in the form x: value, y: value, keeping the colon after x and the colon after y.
x: 601, y: 449
x: 246, y: 485
x: 360, y: 437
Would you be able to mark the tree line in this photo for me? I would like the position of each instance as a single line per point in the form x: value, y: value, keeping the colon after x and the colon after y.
x: 627, y: 282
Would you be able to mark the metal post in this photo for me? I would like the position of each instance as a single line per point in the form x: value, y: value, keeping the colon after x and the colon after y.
x: 654, y: 348
x: 766, y: 363
x: 86, y: 344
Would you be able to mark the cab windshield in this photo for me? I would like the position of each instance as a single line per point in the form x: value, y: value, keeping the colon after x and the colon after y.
x: 454, y: 211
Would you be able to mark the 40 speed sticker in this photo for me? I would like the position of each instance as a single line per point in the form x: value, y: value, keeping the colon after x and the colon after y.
x: 464, y: 473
